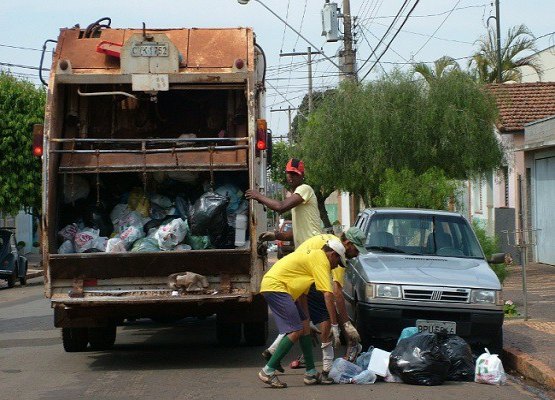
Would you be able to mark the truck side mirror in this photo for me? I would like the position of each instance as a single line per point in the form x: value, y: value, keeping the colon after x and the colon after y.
x: 497, y: 258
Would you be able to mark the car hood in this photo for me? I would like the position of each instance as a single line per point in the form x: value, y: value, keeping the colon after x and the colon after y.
x: 426, y: 270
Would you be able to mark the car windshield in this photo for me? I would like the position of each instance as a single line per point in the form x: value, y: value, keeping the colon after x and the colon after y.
x: 440, y: 235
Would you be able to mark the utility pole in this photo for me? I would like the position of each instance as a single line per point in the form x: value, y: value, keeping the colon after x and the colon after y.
x: 348, y: 52
x: 498, y: 23
x: 288, y: 109
x: 309, y: 54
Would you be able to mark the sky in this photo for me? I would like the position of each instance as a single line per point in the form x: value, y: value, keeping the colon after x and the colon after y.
x: 434, y: 29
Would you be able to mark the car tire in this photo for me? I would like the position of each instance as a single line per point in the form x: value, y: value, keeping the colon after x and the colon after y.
x: 75, y: 339
x: 23, y: 281
x: 228, y: 333
x: 279, y: 253
x: 256, y: 333
x: 102, y: 338
x: 11, y: 279
x: 496, y: 345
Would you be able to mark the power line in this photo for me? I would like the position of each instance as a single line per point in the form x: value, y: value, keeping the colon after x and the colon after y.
x: 22, y: 66
x: 437, y: 29
x: 392, y: 39
x: 431, y: 15
x: 385, y: 34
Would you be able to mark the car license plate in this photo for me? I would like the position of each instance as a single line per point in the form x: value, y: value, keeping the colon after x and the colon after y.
x: 150, y: 50
x: 425, y: 325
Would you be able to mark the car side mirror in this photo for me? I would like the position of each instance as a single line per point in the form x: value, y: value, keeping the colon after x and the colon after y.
x: 497, y: 258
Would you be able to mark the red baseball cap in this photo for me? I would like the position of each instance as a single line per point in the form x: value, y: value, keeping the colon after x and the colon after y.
x: 295, y: 165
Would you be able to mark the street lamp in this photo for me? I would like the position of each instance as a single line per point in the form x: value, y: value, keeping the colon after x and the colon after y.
x: 243, y: 2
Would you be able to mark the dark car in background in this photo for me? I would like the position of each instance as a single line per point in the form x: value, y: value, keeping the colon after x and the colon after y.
x: 12, y: 266
x: 285, y: 247
x: 424, y: 269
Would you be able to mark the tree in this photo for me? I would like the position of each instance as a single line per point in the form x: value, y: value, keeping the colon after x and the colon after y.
x: 21, y: 106
x: 484, y: 63
x: 405, y: 188
x: 355, y: 135
x: 442, y: 66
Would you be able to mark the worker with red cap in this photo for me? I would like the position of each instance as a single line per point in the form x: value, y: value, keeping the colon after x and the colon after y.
x: 302, y: 203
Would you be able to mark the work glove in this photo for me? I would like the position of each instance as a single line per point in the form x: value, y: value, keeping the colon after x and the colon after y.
x: 335, y: 338
x: 351, y: 332
x: 267, y: 236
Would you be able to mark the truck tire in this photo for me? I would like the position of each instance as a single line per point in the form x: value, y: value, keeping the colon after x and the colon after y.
x: 75, y: 339
x: 102, y: 338
x: 256, y: 333
x: 228, y: 333
x: 11, y: 279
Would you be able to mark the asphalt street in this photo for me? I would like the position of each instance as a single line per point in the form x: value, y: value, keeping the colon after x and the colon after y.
x: 181, y: 361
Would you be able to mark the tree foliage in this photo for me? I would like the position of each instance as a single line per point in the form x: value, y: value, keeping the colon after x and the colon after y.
x: 405, y: 188
x: 484, y: 63
x: 21, y: 106
x: 360, y: 131
x: 442, y: 66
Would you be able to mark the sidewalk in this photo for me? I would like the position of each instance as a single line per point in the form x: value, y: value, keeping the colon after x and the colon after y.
x: 529, y: 346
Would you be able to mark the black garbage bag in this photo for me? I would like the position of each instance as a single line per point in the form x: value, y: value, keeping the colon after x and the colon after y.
x: 419, y: 360
x: 208, y: 215
x: 224, y: 240
x: 98, y: 218
x: 153, y: 223
x: 459, y: 354
x: 182, y: 207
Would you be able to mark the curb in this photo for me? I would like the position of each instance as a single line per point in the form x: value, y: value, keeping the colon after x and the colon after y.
x: 34, y: 272
x: 527, y: 366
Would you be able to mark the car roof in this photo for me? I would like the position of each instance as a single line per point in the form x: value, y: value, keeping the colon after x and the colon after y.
x: 425, y: 211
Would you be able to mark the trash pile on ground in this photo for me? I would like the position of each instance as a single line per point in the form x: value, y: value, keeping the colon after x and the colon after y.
x: 421, y: 359
x: 152, y: 222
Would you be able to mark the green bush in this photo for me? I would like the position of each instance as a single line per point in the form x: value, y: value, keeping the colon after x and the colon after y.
x: 490, y: 245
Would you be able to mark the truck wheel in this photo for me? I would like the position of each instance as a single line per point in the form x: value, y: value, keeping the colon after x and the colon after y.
x: 11, y: 279
x: 228, y: 333
x: 102, y: 338
x: 75, y: 339
x: 256, y: 333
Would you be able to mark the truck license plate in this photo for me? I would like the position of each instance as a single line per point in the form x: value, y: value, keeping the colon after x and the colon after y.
x: 150, y: 50
x: 425, y: 325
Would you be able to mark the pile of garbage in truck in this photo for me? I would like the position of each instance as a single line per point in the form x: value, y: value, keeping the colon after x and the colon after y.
x: 424, y: 358
x: 143, y: 221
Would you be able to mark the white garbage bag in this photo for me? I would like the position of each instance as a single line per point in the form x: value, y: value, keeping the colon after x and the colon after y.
x: 66, y: 247
x: 170, y: 235
x: 115, y: 245
x: 84, y: 239
x: 489, y: 369
x: 131, y: 235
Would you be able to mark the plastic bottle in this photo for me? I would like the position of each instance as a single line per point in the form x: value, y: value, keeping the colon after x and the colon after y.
x: 366, y: 377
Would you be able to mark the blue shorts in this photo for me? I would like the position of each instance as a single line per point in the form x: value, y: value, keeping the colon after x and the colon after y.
x: 287, y: 313
x: 317, y: 306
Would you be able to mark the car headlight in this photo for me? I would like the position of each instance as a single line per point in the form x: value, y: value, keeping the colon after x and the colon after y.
x: 387, y: 291
x: 481, y: 296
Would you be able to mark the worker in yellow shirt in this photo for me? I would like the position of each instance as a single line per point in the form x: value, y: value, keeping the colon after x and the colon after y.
x: 354, y: 241
x: 284, y: 287
x: 302, y: 203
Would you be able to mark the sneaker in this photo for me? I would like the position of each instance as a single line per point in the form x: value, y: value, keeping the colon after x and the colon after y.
x: 353, y: 352
x: 298, y: 363
x: 267, y: 355
x: 325, y: 378
x: 271, y: 380
x: 312, y: 379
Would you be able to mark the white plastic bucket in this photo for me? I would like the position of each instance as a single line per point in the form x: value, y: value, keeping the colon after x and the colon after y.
x: 240, y: 229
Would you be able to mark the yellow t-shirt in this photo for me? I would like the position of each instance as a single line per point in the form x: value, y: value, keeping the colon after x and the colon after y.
x: 317, y: 242
x: 306, y: 218
x: 295, y: 272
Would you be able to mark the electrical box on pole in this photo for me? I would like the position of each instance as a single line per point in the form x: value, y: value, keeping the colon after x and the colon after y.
x: 330, y: 22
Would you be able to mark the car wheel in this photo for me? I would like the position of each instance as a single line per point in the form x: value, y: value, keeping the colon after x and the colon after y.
x: 11, y: 279
x: 75, y: 339
x: 102, y: 338
x: 23, y: 281
x: 256, y: 333
x: 496, y: 345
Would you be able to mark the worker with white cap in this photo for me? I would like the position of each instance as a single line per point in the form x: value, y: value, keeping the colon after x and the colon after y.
x: 285, y: 287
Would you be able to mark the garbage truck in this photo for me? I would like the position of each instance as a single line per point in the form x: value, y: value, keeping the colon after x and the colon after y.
x: 145, y: 122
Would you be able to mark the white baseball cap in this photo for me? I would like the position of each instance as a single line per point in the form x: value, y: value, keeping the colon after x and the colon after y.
x: 337, y: 246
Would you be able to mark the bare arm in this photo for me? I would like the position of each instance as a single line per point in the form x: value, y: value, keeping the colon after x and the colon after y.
x: 340, y: 303
x: 330, y: 306
x: 280, y: 206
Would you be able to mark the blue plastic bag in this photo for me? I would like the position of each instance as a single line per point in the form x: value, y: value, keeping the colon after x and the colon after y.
x: 343, y: 371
